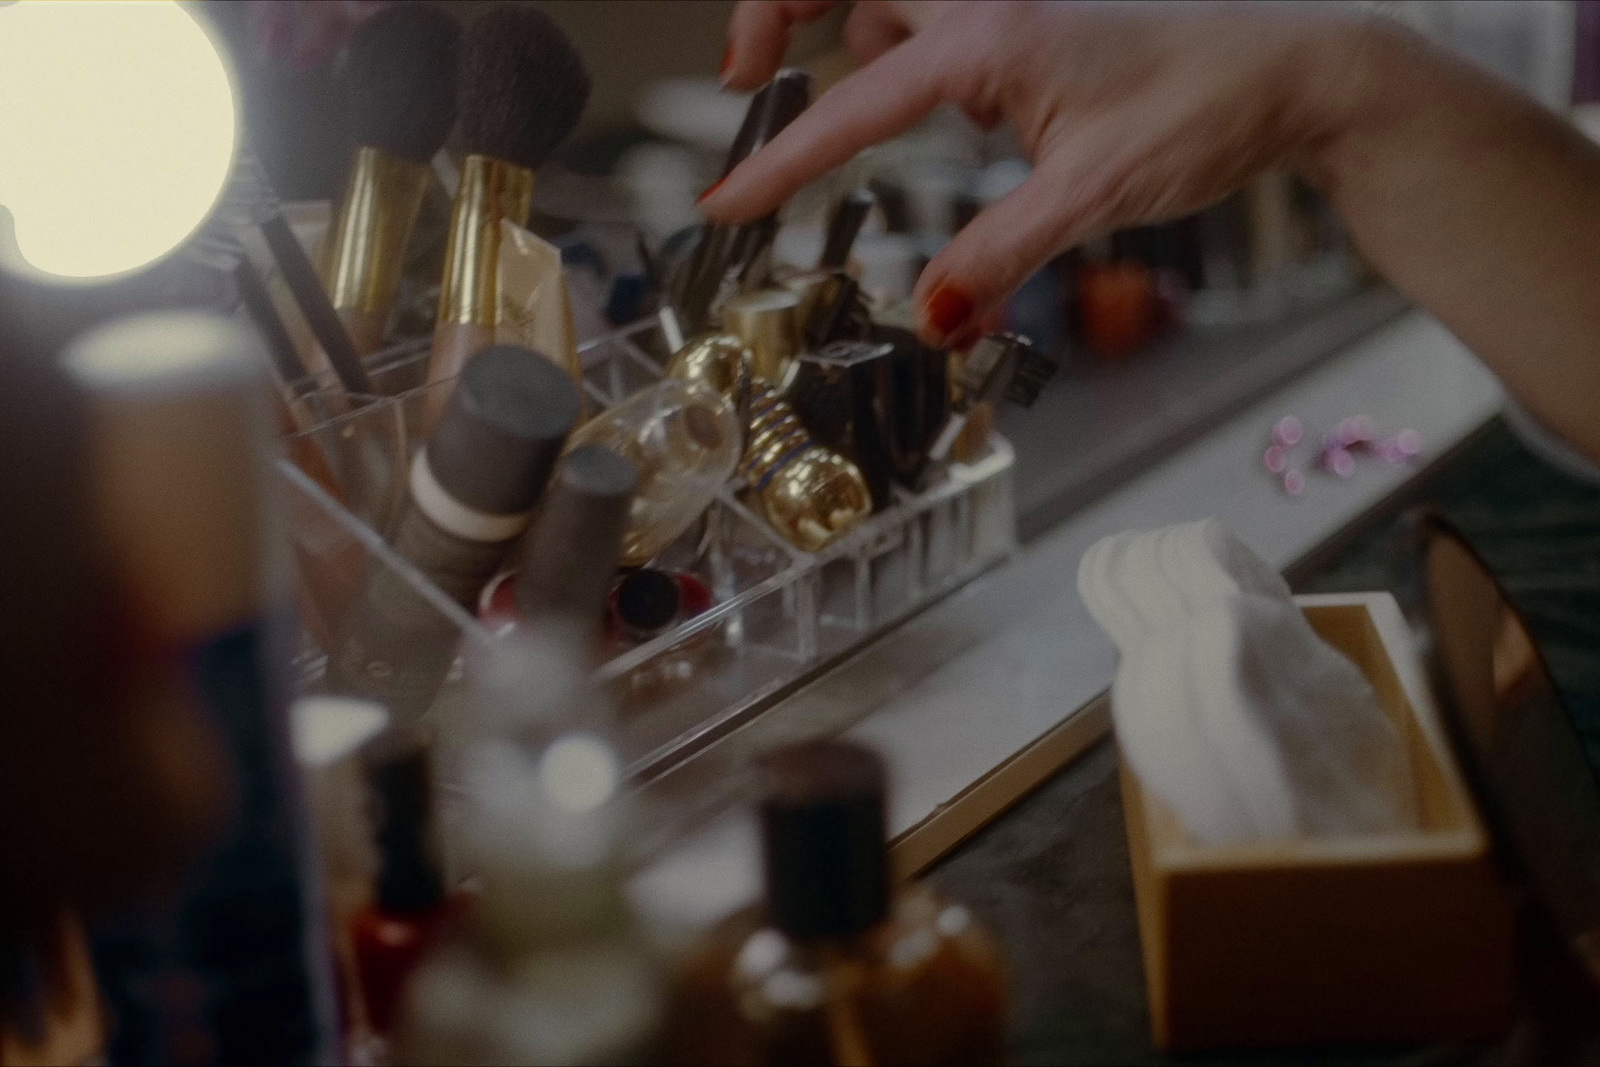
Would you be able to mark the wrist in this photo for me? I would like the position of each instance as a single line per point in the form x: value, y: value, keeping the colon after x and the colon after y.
x: 1351, y: 92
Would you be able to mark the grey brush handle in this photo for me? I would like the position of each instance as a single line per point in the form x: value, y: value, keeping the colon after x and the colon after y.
x: 280, y: 346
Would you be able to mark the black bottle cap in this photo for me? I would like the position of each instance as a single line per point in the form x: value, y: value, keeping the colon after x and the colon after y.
x: 823, y: 827
x: 648, y: 600
x: 502, y: 430
x: 573, y: 549
x: 408, y: 869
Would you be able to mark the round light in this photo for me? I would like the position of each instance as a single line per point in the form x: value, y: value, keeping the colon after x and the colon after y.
x: 579, y: 773
x: 117, y: 131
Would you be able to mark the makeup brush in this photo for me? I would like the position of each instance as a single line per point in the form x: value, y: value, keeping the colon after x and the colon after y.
x: 843, y: 228
x: 521, y: 91
x: 724, y: 249
x: 399, y: 88
x: 257, y: 215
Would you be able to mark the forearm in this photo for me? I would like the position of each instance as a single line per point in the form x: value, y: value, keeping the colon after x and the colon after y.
x: 1483, y: 208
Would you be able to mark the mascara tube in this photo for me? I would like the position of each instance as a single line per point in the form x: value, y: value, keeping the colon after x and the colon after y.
x: 472, y: 491
x: 234, y: 965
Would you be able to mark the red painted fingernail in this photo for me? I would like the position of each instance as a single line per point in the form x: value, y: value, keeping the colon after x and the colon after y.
x: 947, y: 308
x: 727, y: 62
x: 713, y: 187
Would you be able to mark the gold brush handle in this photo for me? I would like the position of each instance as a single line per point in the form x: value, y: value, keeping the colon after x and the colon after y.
x: 453, y: 344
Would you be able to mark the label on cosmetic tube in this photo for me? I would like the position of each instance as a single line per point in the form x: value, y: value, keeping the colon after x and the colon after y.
x: 454, y: 517
x: 396, y: 646
x: 235, y: 966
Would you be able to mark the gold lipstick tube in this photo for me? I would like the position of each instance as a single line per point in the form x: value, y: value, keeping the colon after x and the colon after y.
x: 491, y: 190
x: 367, y: 245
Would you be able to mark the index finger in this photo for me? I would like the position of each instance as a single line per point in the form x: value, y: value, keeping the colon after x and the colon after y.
x: 758, y: 36
x: 884, y: 98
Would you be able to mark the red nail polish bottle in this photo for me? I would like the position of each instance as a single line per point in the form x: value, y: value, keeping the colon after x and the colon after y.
x: 411, y: 908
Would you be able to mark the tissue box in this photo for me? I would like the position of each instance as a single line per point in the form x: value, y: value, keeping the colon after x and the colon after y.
x: 1388, y: 937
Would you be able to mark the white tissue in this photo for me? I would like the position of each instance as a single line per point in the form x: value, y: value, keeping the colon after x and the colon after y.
x: 1228, y: 705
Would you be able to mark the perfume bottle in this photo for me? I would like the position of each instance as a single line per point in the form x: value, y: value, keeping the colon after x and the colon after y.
x: 811, y: 495
x: 551, y: 967
x: 720, y: 360
x: 683, y: 438
x: 837, y: 967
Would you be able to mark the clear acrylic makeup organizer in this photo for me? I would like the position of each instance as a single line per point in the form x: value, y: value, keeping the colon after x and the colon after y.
x: 778, y: 614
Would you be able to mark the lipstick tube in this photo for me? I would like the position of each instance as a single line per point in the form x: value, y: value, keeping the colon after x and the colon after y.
x: 366, y: 247
x: 491, y: 190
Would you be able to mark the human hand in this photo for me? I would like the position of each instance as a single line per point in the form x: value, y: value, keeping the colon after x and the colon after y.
x: 1130, y: 113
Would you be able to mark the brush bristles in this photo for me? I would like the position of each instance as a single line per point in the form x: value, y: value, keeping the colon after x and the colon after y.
x: 523, y: 86
x: 399, y: 80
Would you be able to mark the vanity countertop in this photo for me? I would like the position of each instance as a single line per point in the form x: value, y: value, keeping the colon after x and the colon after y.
x: 1051, y: 875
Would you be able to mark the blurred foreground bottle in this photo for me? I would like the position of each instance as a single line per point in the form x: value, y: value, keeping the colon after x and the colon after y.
x: 837, y: 968
x: 550, y: 967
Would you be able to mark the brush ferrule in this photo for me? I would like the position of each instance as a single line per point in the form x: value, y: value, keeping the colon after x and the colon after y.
x: 491, y: 190
x: 367, y: 245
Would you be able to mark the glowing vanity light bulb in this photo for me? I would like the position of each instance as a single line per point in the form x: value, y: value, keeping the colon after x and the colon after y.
x: 117, y: 126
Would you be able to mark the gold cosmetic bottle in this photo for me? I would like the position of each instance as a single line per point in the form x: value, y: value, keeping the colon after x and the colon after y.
x: 768, y: 322
x: 837, y: 967
x: 810, y: 494
x: 491, y: 190
x: 367, y: 244
x: 720, y: 360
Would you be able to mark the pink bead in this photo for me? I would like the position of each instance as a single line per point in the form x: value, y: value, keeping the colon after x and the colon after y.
x: 1388, y: 451
x: 1409, y: 442
x: 1287, y: 432
x: 1275, y: 460
x: 1294, y: 483
x: 1339, y: 462
x: 1355, y: 430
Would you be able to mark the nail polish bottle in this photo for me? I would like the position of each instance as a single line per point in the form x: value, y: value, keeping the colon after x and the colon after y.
x: 409, y: 910
x: 837, y: 966
x: 768, y: 321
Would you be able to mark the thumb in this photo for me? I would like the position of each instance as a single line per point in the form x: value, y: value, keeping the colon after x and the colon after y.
x: 993, y: 255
